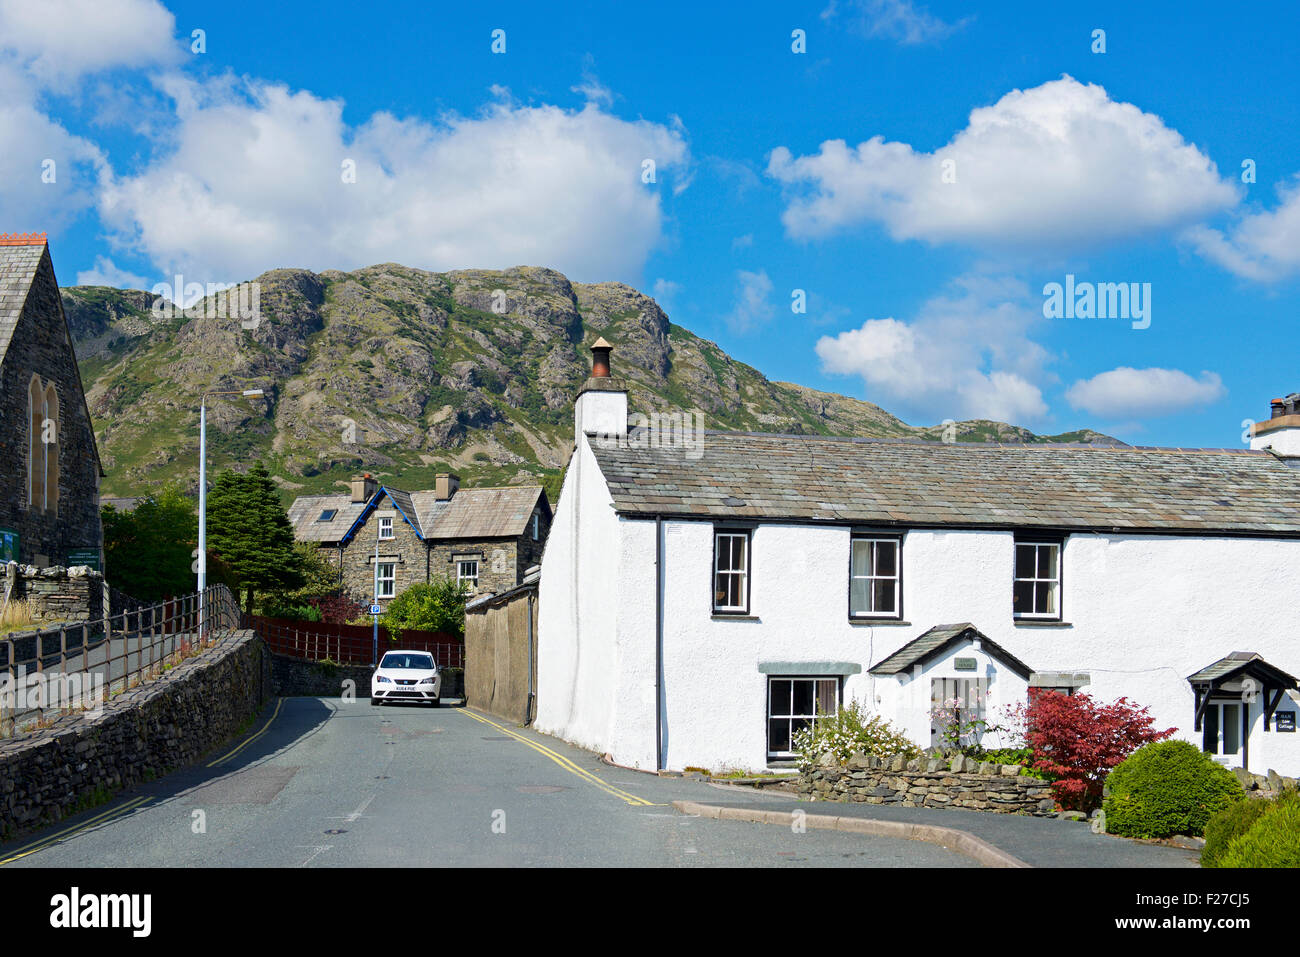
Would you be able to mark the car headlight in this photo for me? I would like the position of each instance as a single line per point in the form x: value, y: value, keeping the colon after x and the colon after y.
x: 383, y: 681
x: 428, y: 681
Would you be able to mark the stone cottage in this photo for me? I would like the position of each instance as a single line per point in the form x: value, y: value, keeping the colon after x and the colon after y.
x: 485, y: 537
x: 49, y: 463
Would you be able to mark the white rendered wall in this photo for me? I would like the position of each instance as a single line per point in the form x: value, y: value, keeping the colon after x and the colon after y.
x: 1143, y: 613
x: 578, y: 600
x: 1283, y: 442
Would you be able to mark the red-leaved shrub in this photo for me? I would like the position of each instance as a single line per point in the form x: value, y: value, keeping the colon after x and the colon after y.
x: 1078, y: 741
x: 338, y: 609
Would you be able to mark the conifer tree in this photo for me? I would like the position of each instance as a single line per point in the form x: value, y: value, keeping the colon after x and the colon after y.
x: 250, y: 534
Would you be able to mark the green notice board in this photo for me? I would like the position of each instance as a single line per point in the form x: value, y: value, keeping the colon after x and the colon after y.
x: 8, y: 545
x: 84, y: 556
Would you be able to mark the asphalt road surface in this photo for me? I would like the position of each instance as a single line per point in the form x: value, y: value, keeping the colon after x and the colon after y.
x: 320, y: 782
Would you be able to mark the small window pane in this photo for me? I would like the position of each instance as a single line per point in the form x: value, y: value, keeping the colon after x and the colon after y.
x: 828, y: 694
x: 803, y: 698
x: 780, y: 695
x: 886, y: 558
x: 1025, y: 561
x: 1231, y: 728
x: 861, y: 557
x: 860, y: 596
x: 1047, y: 561
x: 883, y: 594
x: 778, y: 737
x: 1024, y: 598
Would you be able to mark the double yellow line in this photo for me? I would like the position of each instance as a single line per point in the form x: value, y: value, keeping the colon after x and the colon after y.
x: 266, y: 727
x: 565, y: 763
x: 50, y: 840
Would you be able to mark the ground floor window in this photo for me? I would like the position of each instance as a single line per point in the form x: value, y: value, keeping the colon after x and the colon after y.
x: 794, y: 704
x: 1221, y: 728
x: 386, y: 579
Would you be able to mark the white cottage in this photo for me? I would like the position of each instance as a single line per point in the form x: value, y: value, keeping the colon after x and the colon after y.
x: 702, y: 598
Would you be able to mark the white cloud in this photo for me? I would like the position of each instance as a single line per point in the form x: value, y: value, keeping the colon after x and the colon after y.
x: 965, y: 355
x: 254, y: 180
x: 743, y: 242
x: 664, y: 292
x: 108, y: 273
x: 1143, y: 393
x: 753, y: 305
x: 29, y: 200
x: 1059, y: 164
x: 1264, y: 246
x: 58, y: 41
x: 899, y: 20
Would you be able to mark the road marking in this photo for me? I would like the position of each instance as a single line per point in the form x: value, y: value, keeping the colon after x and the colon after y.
x: 230, y: 754
x: 565, y: 763
x: 318, y: 848
x: 58, y: 837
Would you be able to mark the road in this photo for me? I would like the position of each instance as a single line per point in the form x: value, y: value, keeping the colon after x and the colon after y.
x: 320, y: 782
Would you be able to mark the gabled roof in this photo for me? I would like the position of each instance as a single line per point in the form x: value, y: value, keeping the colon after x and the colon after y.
x: 472, y: 513
x: 22, y: 257
x: 939, y: 639
x: 974, y: 485
x: 1241, y: 663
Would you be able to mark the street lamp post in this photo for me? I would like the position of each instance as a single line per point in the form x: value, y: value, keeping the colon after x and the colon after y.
x: 203, y: 496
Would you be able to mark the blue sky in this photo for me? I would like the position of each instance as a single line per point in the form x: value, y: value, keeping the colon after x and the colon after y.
x: 921, y: 172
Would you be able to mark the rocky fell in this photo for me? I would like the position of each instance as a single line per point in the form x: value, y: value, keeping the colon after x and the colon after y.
x: 405, y: 373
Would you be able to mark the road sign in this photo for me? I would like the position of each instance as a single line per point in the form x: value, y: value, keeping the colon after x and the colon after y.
x: 376, y: 610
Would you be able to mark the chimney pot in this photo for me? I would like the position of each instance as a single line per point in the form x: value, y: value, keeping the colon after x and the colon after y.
x: 600, y: 350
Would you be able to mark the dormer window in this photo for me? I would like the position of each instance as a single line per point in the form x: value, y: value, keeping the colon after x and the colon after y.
x: 385, y: 527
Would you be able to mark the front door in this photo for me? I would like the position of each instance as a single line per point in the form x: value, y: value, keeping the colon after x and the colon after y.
x: 1224, y: 730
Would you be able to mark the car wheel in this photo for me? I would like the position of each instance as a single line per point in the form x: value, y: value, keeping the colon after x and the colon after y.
x: 435, y: 703
x: 374, y: 702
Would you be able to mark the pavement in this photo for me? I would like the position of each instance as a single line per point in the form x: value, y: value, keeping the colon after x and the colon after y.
x: 321, y: 782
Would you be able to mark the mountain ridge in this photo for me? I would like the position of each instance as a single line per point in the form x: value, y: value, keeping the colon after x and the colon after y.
x: 404, y: 372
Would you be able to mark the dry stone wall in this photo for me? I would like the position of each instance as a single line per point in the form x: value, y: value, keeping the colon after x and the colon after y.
x: 929, y: 782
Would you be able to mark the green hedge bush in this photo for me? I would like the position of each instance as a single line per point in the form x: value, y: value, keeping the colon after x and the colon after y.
x: 1227, y: 825
x: 1167, y: 788
x: 1272, y: 841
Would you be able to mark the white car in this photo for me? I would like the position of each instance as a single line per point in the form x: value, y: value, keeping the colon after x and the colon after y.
x: 406, y: 676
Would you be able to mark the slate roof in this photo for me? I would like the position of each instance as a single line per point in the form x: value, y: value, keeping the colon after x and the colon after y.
x: 472, y: 513
x: 935, y: 641
x: 740, y: 475
x: 1241, y: 661
x: 18, y: 265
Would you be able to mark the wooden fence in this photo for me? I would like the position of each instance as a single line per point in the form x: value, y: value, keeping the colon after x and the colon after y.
x: 351, y: 644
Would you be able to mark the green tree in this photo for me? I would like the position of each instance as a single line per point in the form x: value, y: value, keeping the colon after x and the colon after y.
x: 436, y: 606
x: 149, y: 552
x: 249, y: 532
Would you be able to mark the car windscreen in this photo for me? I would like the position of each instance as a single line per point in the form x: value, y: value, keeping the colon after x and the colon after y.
x: 406, y: 661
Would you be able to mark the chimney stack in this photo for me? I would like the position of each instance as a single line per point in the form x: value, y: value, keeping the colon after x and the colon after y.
x: 601, y: 407
x: 1281, y: 432
x: 363, y: 488
x: 445, y: 485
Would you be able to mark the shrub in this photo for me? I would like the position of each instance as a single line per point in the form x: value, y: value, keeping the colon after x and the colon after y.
x: 433, y: 606
x: 1077, y: 741
x: 849, y: 730
x: 1226, y: 825
x: 1167, y: 788
x: 1272, y: 841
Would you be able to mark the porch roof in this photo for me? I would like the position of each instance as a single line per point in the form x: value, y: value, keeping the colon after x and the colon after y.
x: 939, y: 639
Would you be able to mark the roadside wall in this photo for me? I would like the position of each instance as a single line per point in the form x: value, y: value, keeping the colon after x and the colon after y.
x: 56, y: 594
x: 146, y: 732
x: 930, y: 782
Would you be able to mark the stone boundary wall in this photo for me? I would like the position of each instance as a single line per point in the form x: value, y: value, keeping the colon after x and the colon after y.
x: 929, y: 782
x: 298, y: 677
x: 56, y: 594
x: 144, y: 733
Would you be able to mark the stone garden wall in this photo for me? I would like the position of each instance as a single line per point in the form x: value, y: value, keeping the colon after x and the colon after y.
x: 55, y: 594
x: 929, y: 782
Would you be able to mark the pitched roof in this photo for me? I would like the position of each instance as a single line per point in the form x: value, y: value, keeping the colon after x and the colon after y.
x: 485, y: 513
x: 471, y: 513
x: 911, y: 482
x: 938, y: 639
x: 18, y: 265
x: 1231, y: 665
